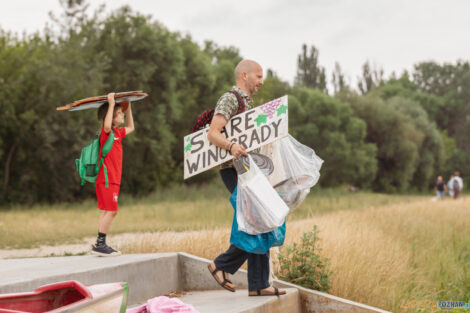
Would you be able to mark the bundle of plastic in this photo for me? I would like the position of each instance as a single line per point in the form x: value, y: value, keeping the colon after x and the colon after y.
x: 260, y: 209
x: 296, y: 169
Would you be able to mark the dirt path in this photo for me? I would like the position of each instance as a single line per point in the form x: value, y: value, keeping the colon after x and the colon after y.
x: 147, y: 242
x: 68, y: 249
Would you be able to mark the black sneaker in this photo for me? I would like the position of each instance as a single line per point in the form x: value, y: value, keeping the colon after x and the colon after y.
x: 104, y: 250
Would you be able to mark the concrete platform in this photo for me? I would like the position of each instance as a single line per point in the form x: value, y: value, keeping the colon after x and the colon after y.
x: 238, y: 302
x: 152, y: 275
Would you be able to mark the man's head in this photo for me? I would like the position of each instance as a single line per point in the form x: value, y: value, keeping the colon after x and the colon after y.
x: 439, y: 178
x: 456, y: 173
x: 249, y: 76
x: 118, y: 114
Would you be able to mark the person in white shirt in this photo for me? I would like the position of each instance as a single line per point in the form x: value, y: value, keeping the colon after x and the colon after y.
x: 456, y: 183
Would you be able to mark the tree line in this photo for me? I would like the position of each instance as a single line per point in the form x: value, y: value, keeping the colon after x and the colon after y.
x: 389, y: 135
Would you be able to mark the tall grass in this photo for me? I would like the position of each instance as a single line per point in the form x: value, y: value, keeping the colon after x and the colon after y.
x: 382, y: 255
x: 180, y: 208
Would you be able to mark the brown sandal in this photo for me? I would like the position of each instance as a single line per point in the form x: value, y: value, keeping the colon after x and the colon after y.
x: 223, y: 284
x: 276, y: 293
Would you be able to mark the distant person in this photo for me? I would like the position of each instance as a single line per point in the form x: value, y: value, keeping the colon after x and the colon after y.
x: 249, y: 77
x: 440, y: 188
x: 450, y: 189
x: 112, y: 116
x: 457, y: 185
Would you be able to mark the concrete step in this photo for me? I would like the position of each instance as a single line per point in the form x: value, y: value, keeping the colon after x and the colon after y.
x: 223, y: 301
x: 152, y: 275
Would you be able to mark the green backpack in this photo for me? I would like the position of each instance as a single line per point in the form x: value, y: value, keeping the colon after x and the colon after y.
x: 88, y: 166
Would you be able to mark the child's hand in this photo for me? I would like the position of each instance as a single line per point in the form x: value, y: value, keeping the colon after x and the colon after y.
x: 111, y: 97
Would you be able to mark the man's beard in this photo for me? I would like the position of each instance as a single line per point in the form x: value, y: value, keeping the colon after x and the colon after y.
x: 253, y: 90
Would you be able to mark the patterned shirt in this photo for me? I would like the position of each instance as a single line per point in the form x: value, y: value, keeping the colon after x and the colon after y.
x: 228, y: 107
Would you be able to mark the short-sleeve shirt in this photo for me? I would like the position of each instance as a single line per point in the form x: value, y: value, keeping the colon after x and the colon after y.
x: 440, y: 186
x: 227, y: 105
x: 113, y: 159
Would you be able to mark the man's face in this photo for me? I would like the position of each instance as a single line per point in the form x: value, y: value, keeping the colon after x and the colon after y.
x: 254, y: 80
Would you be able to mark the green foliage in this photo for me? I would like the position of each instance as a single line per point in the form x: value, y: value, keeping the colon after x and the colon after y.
x: 338, y: 80
x: 410, y: 148
x: 309, y: 72
x: 327, y: 125
x: 302, y: 264
x: 88, y: 57
x: 371, y: 78
x: 397, y: 136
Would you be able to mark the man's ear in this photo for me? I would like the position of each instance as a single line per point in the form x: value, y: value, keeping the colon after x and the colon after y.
x: 244, y: 75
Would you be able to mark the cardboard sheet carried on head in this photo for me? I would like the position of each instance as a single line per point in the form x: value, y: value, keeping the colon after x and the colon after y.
x: 96, y: 102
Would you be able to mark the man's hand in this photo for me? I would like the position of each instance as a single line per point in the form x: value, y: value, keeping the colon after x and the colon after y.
x: 238, y: 150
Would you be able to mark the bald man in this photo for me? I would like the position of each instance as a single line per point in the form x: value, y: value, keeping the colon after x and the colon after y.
x: 248, y: 77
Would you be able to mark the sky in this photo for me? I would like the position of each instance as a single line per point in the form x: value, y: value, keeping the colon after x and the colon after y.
x: 392, y: 34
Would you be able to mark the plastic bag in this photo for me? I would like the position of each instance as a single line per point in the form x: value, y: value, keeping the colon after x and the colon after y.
x: 259, y: 244
x: 260, y: 209
x: 296, y: 169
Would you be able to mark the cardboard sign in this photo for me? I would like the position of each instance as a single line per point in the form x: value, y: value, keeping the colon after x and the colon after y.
x: 252, y: 129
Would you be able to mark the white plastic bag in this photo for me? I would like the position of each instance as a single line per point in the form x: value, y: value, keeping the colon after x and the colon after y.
x: 260, y: 209
x: 296, y: 169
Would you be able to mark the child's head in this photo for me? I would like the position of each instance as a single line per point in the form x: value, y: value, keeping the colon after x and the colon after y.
x: 118, y: 114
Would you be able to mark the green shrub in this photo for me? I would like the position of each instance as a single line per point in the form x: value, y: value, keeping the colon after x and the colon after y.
x: 301, y: 263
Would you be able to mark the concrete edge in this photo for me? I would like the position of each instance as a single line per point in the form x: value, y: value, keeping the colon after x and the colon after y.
x: 317, y: 301
x: 196, y: 277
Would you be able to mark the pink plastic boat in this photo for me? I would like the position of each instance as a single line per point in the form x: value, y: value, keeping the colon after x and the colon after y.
x: 68, y: 296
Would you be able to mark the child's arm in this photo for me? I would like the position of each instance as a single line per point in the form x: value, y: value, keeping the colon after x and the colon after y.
x: 129, y: 120
x: 108, y: 120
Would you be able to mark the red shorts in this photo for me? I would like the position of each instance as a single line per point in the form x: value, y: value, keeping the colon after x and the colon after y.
x: 107, y: 197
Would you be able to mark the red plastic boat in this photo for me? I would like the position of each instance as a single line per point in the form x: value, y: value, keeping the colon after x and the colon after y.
x: 68, y: 296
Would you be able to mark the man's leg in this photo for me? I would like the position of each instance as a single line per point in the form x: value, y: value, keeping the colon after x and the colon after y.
x: 231, y: 260
x: 258, y: 271
x: 258, y: 276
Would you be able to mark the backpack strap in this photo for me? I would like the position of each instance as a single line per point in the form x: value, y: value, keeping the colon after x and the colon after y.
x: 241, y: 103
x: 80, y: 170
x: 104, y: 151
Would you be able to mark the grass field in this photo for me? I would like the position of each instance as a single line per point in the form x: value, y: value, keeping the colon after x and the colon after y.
x: 383, y: 249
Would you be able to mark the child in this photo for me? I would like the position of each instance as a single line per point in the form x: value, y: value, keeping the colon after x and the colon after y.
x: 111, y: 115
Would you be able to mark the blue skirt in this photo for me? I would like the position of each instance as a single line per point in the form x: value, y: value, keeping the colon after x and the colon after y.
x: 259, y: 244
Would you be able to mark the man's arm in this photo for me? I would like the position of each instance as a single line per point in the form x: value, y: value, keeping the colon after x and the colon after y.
x: 129, y: 120
x: 108, y: 120
x: 216, y: 138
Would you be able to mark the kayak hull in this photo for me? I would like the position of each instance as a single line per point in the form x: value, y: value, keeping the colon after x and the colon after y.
x: 68, y: 296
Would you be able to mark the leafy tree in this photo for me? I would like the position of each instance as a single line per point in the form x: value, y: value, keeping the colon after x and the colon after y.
x: 327, y: 125
x: 338, y: 80
x: 309, y: 72
x: 372, y: 76
x: 410, y: 148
